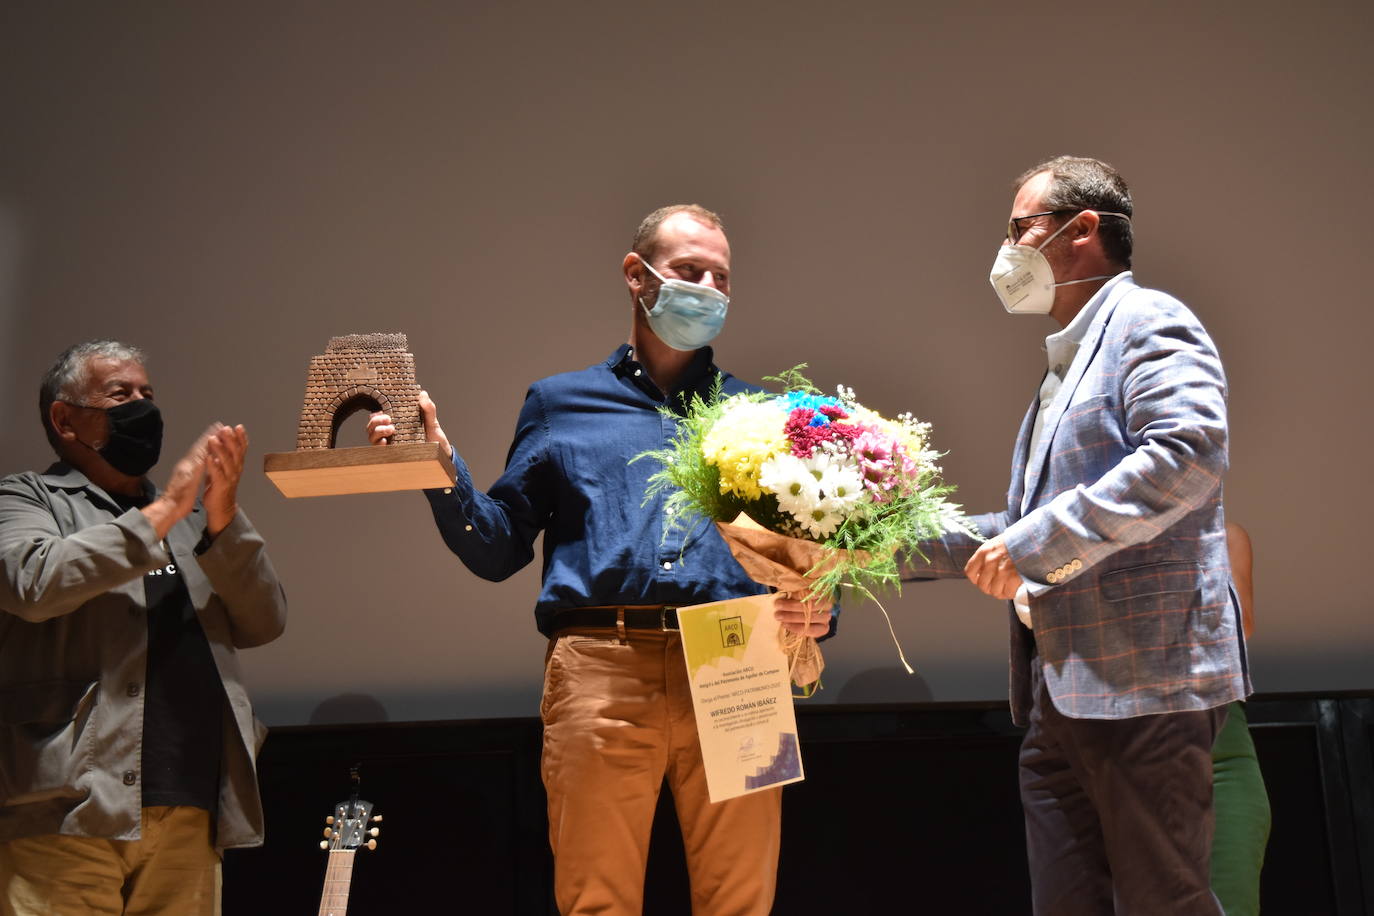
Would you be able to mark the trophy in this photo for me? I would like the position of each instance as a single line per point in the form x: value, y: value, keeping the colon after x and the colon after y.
x: 360, y: 372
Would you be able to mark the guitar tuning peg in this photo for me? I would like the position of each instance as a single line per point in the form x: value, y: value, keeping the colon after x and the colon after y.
x: 329, y: 833
x: 324, y: 844
x: 371, y: 844
x: 329, y: 820
x: 374, y: 832
x: 376, y: 818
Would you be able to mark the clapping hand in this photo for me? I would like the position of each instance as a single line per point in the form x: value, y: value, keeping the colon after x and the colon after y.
x: 225, y: 448
x: 215, y: 459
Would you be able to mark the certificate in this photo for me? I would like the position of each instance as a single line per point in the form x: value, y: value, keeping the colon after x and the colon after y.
x: 742, y: 693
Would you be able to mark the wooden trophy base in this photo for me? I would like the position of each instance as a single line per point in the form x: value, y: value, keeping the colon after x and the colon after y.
x: 367, y: 469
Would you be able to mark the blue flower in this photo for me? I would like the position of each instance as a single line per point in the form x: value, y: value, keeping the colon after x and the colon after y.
x: 795, y: 399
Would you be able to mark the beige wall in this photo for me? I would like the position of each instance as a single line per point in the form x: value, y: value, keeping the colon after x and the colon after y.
x: 230, y: 186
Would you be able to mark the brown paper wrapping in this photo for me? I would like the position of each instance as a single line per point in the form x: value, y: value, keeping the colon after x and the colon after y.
x: 790, y: 565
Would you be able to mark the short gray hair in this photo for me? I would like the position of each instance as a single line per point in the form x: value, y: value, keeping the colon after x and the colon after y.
x: 1078, y: 183
x: 67, y: 377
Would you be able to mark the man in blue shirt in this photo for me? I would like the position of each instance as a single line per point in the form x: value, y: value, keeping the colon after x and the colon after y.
x: 617, y: 707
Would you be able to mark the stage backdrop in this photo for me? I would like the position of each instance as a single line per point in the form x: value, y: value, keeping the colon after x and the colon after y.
x: 229, y: 185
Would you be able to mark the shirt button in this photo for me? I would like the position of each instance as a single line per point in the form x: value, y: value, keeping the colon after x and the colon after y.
x: 130, y: 777
x: 467, y: 527
x: 133, y: 690
x: 448, y: 490
x: 638, y: 373
x: 667, y: 565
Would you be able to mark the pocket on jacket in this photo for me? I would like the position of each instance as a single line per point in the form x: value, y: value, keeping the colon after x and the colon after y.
x: 1151, y: 579
x: 43, y: 739
x: 1082, y: 403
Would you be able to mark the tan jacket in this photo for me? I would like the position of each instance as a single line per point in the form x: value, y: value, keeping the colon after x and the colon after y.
x: 73, y: 647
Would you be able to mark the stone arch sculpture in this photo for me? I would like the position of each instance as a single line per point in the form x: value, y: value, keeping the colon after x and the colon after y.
x: 357, y: 372
x: 360, y: 372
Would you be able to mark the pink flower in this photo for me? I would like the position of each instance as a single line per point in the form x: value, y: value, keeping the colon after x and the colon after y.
x: 879, y: 457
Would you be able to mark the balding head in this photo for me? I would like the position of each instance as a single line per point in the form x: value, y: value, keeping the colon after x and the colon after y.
x: 645, y: 242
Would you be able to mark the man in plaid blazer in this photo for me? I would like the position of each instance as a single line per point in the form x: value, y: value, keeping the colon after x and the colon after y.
x: 1126, y: 643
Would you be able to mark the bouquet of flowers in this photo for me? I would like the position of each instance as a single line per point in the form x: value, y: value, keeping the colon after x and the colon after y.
x: 811, y: 493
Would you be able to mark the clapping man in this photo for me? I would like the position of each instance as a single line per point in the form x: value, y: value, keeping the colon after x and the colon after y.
x: 127, y: 740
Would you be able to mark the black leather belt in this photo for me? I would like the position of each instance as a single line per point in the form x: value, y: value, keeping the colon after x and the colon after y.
x: 637, y: 617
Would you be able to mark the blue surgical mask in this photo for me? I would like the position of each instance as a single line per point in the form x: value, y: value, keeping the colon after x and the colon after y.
x: 686, y: 315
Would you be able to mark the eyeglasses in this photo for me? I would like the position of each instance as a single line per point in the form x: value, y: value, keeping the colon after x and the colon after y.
x: 1014, y: 230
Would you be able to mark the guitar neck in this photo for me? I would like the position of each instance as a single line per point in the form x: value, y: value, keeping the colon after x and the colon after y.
x: 338, y: 875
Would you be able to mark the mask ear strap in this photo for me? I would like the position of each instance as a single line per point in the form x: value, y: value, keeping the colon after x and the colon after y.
x: 1084, y: 280
x: 75, y: 437
x: 645, y: 261
x: 649, y: 267
x: 1100, y: 214
x: 1055, y: 233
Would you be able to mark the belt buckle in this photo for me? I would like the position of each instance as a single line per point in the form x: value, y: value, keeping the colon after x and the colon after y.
x: 663, y: 620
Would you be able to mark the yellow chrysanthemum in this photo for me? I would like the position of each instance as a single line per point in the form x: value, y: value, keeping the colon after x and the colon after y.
x: 746, y: 435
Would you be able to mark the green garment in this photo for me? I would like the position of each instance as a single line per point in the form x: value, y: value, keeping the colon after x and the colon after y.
x: 1242, y: 817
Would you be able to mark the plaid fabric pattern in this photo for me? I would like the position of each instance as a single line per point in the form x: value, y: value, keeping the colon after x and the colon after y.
x: 1122, y: 541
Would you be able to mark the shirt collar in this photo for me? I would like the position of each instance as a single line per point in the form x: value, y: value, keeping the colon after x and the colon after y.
x: 61, y: 474
x: 1062, y: 345
x: 701, y: 370
x: 64, y: 476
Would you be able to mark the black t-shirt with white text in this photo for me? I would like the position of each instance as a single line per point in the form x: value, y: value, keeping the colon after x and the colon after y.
x: 183, y: 698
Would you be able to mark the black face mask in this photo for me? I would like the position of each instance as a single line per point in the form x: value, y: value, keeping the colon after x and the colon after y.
x: 135, y: 437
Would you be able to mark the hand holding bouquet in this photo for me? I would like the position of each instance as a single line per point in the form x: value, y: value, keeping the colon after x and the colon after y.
x: 811, y: 493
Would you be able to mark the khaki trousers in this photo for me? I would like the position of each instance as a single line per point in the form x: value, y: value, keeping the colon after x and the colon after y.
x: 617, y: 719
x: 172, y: 870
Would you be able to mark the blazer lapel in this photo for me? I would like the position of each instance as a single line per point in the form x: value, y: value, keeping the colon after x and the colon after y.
x: 1087, y: 351
x: 1018, y: 461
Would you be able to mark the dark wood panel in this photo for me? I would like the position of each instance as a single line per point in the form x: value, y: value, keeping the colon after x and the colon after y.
x: 905, y: 808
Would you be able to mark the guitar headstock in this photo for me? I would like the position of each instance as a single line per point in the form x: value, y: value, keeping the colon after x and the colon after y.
x: 348, y: 826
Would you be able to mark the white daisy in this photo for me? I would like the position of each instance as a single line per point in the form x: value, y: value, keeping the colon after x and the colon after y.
x: 821, y: 460
x: 842, y: 485
x: 794, y: 484
x: 820, y: 522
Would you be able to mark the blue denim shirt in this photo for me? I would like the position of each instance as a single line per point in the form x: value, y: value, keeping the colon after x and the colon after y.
x: 569, y: 475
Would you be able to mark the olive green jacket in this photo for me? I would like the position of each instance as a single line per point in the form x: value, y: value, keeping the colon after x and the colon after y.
x: 73, y: 654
